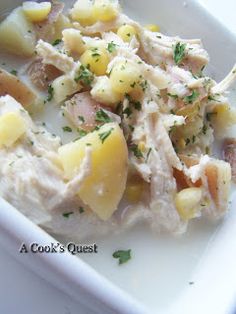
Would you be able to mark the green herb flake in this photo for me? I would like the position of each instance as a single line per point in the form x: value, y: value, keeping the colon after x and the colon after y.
x: 95, y: 54
x: 84, y: 76
x: 68, y: 214
x: 81, y: 118
x: 81, y: 210
x: 210, y: 97
x: 179, y: 52
x: 191, y: 98
x: 204, y: 129
x: 122, y: 255
x: 67, y: 129
x: 137, y: 152
x: 127, y: 111
x: 209, y: 115
x: 131, y: 128
x: 144, y: 85
x: 103, y: 136
x: 56, y: 42
x: 148, y: 153
x: 137, y: 105
x: 14, y: 72
x: 81, y: 132
x: 111, y: 47
x: 102, y: 116
x: 50, y: 93
x: 173, y: 96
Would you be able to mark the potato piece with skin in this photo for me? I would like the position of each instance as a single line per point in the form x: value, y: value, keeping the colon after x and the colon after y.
x: 96, y: 60
x: 12, y: 127
x: 73, y: 41
x: 36, y: 12
x: 17, y: 34
x: 125, y: 76
x: 11, y: 85
x: 187, y: 202
x: 105, y: 10
x: 63, y: 87
x: 103, y: 189
x: 82, y: 12
x: 102, y: 92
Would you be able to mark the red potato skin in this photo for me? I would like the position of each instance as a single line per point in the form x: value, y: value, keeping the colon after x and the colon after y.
x: 229, y: 154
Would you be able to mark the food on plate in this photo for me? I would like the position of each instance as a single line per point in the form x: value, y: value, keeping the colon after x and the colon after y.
x: 126, y: 129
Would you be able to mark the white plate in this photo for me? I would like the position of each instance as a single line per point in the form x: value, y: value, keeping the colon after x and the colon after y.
x: 162, y: 267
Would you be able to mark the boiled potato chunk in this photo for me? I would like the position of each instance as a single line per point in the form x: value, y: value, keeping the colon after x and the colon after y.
x: 96, y: 60
x: 17, y: 34
x: 36, y: 12
x: 105, y: 10
x: 126, y: 32
x: 73, y: 41
x: 187, y: 202
x: 125, y: 76
x: 12, y: 127
x: 103, y: 189
x: 82, y: 12
x: 103, y: 93
x: 63, y: 87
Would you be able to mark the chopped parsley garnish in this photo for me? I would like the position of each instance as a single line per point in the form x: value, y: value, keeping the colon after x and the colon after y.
x: 81, y: 132
x: 67, y: 128
x: 144, y: 85
x: 179, y: 52
x: 111, y: 47
x: 103, y: 136
x: 56, y: 42
x: 14, y: 72
x: 210, y: 97
x: 102, y: 116
x: 81, y: 118
x: 137, y: 152
x: 122, y: 255
x: 172, y: 96
x: 131, y: 128
x: 81, y: 209
x: 127, y: 111
x: 209, y: 115
x: 137, y: 105
x: 148, y: 154
x: 187, y: 141
x: 191, y: 98
x: 67, y: 215
x: 204, y: 129
x: 50, y: 93
x: 84, y: 76
x: 95, y: 54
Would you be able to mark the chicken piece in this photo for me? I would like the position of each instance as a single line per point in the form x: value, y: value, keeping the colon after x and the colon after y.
x: 226, y: 83
x: 229, y: 154
x: 44, y: 30
x: 13, y: 86
x: 41, y: 75
x: 52, y: 56
x: 81, y: 110
x: 162, y: 50
x: 214, y: 175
